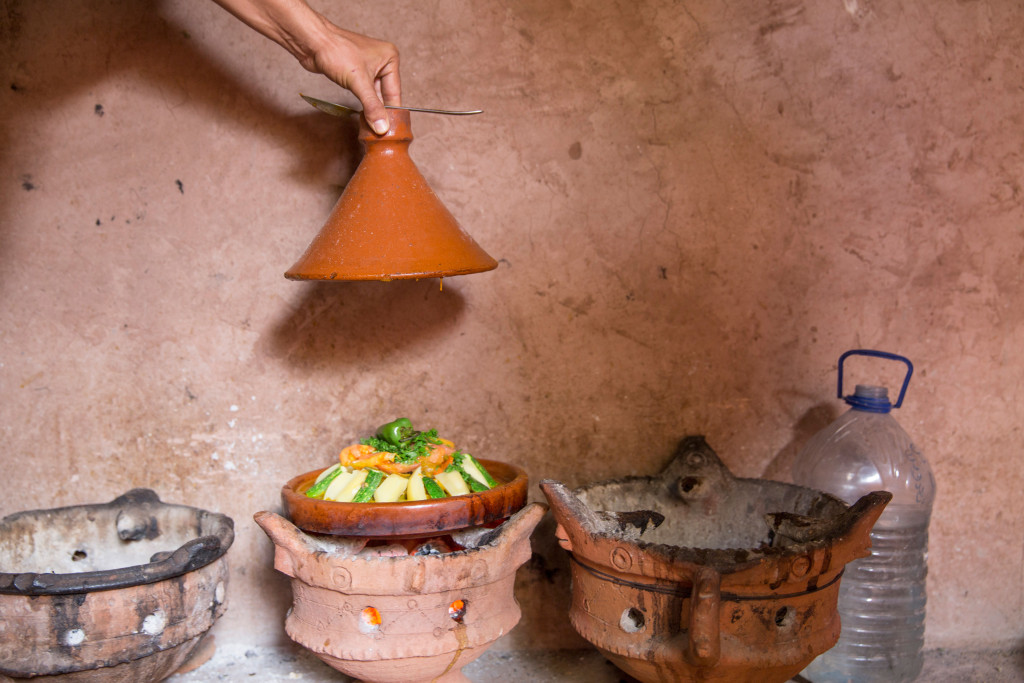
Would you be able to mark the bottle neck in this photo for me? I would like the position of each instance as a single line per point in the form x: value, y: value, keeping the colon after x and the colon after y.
x: 870, y: 399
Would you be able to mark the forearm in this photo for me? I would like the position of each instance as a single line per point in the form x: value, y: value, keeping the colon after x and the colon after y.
x: 292, y: 24
x: 366, y: 66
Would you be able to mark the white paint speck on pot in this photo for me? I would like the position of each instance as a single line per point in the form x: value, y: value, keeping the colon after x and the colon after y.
x: 75, y: 636
x: 154, y: 623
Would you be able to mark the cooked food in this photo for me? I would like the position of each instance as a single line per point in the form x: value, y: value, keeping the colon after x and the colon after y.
x: 400, y: 463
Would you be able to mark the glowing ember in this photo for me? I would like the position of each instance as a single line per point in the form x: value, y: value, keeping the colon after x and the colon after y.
x: 369, y: 620
x: 457, y: 610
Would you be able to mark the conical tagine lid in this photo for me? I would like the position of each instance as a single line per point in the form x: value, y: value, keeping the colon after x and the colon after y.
x: 388, y: 223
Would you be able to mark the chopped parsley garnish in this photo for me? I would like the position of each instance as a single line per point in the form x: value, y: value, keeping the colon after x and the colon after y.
x: 409, y: 449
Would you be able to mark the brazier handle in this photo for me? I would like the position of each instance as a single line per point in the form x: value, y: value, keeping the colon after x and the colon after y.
x: 705, y: 641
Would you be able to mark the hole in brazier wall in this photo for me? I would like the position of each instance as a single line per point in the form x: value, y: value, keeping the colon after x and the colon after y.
x: 783, y: 617
x: 78, y: 555
x: 689, y: 484
x: 369, y: 620
x: 632, y: 620
x: 457, y: 610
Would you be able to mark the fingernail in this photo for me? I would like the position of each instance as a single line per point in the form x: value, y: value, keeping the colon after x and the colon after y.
x: 380, y: 126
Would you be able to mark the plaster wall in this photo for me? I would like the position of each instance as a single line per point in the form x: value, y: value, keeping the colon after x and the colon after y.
x: 696, y: 206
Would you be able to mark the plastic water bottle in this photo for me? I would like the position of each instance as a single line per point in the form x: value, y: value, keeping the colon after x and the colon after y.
x: 881, y: 597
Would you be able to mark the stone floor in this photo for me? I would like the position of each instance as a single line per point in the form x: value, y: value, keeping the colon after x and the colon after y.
x: 585, y: 666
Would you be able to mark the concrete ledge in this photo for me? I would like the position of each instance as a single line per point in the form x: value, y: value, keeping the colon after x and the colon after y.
x: 268, y: 665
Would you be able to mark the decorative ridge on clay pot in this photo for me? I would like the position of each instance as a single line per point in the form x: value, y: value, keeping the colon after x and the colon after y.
x: 401, y: 618
x: 123, y: 591
x: 735, y: 580
x: 388, y: 224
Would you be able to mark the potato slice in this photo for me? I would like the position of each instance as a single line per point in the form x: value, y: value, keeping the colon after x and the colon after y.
x: 474, y: 469
x: 452, y: 482
x: 326, y: 473
x: 391, y: 489
x: 351, y: 486
x: 469, y: 468
x: 338, y: 485
x: 414, y: 488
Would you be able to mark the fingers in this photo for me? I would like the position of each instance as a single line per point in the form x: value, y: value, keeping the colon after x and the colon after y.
x: 390, y: 86
x: 368, y: 68
x: 373, y: 108
x: 386, y: 89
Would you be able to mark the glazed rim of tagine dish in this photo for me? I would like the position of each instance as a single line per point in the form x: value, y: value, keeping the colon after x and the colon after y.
x: 407, y: 519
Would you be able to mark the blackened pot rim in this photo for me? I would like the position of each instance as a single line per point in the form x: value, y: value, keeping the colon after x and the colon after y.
x: 190, y: 556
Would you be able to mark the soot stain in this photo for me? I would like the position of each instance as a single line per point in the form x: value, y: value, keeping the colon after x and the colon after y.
x: 539, y: 564
x: 27, y: 183
x: 98, y: 110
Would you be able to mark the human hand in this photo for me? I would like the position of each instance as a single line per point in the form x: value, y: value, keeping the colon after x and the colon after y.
x: 365, y: 66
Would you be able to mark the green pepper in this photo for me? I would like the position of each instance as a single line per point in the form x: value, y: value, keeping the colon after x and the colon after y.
x: 395, y: 432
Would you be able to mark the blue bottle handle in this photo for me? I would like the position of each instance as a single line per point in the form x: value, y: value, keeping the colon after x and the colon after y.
x: 878, y: 354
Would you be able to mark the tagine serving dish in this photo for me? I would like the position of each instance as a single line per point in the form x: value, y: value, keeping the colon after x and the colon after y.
x: 407, y: 519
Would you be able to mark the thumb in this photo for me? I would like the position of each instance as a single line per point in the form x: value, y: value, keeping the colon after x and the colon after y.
x: 374, y: 112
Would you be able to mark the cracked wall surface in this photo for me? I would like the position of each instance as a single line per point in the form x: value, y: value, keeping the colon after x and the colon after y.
x: 697, y: 207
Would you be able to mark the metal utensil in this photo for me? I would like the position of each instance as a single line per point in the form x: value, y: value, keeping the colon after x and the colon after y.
x: 341, y: 110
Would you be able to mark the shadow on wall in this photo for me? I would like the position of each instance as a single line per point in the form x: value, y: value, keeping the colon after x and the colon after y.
x: 810, y: 423
x: 50, y: 61
x: 353, y: 323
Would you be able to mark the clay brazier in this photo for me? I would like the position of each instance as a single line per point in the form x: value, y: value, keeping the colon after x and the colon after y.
x: 697, y: 575
x: 400, y: 618
x: 123, y: 591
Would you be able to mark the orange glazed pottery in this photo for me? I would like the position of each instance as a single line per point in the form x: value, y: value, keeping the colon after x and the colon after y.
x: 388, y: 223
x: 697, y: 575
x: 383, y: 615
x: 407, y: 519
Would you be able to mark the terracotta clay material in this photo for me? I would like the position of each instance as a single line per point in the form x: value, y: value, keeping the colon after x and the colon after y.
x: 122, y: 591
x: 410, y: 519
x: 388, y: 224
x: 733, y: 580
x: 383, y: 615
